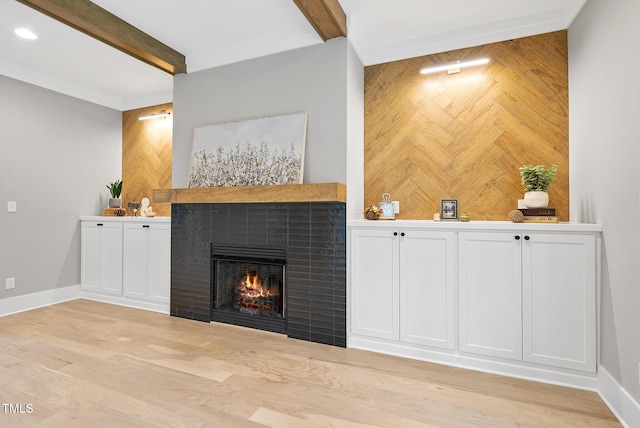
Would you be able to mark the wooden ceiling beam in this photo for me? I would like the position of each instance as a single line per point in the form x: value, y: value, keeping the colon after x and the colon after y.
x: 102, y: 25
x: 326, y: 16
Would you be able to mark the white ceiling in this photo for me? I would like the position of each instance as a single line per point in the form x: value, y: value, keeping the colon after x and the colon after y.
x: 213, y: 33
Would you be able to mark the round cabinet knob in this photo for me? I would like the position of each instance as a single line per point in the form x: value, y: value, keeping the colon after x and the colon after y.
x: 395, y: 233
x: 517, y: 237
x: 526, y: 238
x: 402, y: 234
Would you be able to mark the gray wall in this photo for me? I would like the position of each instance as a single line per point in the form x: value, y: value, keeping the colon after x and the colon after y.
x: 604, y: 92
x: 355, y: 135
x: 57, y: 153
x: 312, y: 80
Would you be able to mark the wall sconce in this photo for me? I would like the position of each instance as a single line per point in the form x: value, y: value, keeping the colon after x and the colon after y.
x: 162, y: 115
x: 454, y: 67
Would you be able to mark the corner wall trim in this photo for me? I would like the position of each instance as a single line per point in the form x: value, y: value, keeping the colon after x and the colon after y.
x: 621, y: 403
x: 27, y: 302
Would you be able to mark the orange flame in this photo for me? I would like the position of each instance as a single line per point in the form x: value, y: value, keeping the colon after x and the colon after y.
x: 253, y: 287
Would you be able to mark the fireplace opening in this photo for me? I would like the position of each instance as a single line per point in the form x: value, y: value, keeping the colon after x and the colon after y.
x: 248, y: 286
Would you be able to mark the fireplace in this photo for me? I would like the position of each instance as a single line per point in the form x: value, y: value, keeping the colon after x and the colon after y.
x: 248, y: 286
x: 310, y: 237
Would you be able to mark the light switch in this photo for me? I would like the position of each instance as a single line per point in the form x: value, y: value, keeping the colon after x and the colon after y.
x: 12, y: 206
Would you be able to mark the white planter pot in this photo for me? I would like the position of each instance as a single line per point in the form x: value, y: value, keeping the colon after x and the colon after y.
x: 115, y: 203
x: 536, y: 199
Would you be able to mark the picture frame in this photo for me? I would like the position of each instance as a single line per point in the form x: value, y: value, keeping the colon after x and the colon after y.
x: 449, y: 209
x: 253, y: 152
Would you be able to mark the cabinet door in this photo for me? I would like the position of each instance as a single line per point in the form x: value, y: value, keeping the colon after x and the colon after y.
x: 490, y: 294
x: 374, y: 283
x: 91, y: 257
x: 135, y: 260
x: 112, y: 256
x: 101, y: 257
x: 427, y: 286
x: 159, y: 262
x: 559, y: 293
x: 147, y: 261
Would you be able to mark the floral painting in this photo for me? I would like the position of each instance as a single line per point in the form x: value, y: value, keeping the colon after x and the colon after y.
x: 262, y: 151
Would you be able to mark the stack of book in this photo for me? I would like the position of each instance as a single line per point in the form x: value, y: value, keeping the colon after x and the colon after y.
x: 539, y: 215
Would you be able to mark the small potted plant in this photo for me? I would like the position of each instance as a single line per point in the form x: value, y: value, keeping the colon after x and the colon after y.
x: 536, y: 181
x: 115, y: 189
x: 372, y: 212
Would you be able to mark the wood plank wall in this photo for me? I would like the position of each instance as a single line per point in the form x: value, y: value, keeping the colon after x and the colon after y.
x: 465, y: 135
x: 146, y: 156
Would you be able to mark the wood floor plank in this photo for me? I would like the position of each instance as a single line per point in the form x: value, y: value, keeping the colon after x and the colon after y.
x: 84, y: 363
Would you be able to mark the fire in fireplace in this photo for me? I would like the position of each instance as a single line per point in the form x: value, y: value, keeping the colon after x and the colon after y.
x: 251, y: 288
x: 248, y: 285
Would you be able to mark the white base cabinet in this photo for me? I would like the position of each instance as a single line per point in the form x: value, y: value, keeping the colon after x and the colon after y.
x: 559, y: 300
x: 490, y: 294
x: 147, y: 261
x: 375, y: 287
x: 427, y: 288
x: 402, y: 285
x: 127, y: 261
x: 529, y: 296
x: 101, y: 257
x: 515, y: 299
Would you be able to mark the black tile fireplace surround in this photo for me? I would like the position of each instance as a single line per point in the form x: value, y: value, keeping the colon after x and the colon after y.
x: 313, y: 235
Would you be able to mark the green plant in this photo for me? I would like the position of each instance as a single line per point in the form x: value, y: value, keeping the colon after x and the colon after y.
x: 115, y: 188
x: 537, y: 178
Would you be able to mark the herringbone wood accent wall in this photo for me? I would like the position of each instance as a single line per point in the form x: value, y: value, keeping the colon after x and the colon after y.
x: 465, y: 135
x: 146, y: 156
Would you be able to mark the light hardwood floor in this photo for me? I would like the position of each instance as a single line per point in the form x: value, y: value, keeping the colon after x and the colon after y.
x: 88, y: 364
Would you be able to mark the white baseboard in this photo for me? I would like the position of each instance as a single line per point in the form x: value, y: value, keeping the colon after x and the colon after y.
x: 626, y: 409
x: 573, y: 379
x: 27, y: 302
x: 162, y: 308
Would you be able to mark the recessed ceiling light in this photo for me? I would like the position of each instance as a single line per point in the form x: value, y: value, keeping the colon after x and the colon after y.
x: 26, y: 33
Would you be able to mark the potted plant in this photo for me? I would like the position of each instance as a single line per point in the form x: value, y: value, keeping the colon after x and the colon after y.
x: 115, y: 189
x: 536, y: 181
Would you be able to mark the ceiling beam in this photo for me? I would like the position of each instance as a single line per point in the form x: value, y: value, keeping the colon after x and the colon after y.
x: 102, y: 25
x: 326, y: 16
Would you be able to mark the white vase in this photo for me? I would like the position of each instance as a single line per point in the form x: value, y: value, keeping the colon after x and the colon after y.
x: 536, y: 199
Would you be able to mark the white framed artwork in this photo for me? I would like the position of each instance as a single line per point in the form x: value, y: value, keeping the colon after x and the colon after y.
x: 264, y: 151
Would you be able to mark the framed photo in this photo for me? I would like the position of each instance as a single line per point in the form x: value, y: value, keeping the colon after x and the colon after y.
x: 449, y: 209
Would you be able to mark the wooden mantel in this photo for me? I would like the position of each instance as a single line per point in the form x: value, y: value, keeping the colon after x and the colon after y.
x: 318, y: 192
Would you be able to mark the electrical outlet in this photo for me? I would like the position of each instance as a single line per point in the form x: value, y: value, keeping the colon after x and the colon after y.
x: 10, y: 283
x: 11, y: 206
x: 396, y: 207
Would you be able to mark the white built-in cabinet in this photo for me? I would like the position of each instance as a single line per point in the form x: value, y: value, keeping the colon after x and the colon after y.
x: 147, y: 261
x: 375, y: 291
x: 512, y: 298
x: 402, y: 285
x: 101, y: 257
x: 490, y: 294
x: 127, y: 260
x: 559, y: 300
x: 529, y: 296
